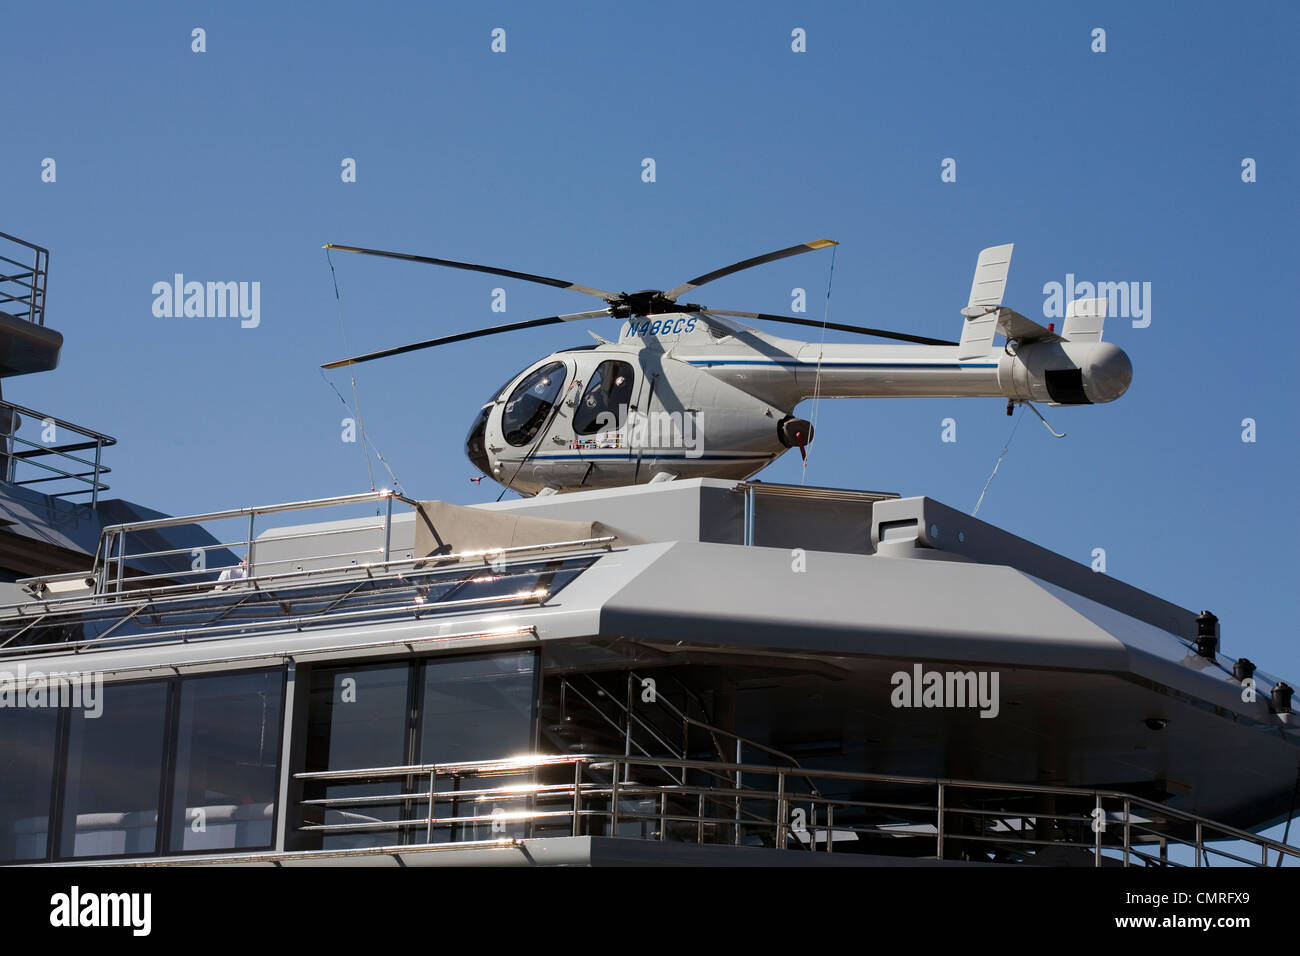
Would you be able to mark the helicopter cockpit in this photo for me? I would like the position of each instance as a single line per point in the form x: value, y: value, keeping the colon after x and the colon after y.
x: 476, y: 440
x: 532, y: 396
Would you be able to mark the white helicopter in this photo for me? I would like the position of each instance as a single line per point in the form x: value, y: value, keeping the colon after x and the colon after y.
x: 686, y: 392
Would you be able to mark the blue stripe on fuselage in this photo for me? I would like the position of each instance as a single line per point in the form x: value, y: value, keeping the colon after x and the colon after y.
x: 833, y: 364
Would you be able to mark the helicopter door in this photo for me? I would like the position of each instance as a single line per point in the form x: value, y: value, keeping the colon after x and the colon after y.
x: 603, y: 407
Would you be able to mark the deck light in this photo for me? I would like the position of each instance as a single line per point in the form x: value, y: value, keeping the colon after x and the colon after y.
x: 1281, y: 698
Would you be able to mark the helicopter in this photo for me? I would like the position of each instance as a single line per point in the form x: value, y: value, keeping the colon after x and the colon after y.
x: 687, y: 392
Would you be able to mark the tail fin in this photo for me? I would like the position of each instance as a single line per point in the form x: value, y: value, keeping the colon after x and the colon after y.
x: 985, y: 296
x: 1084, y: 319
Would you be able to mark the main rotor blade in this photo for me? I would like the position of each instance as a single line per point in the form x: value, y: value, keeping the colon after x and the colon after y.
x: 813, y: 323
x: 471, y: 267
x: 695, y: 283
x: 462, y: 336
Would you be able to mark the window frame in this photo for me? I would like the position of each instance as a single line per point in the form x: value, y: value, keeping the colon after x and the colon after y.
x: 619, y: 422
x: 514, y: 395
x: 164, y: 808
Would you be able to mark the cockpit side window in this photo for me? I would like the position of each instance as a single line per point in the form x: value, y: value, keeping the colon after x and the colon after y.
x: 604, y: 404
x: 530, y: 404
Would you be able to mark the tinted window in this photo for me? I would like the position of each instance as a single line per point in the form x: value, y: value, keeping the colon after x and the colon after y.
x: 358, y: 719
x: 472, y: 709
x: 530, y: 404
x: 476, y: 441
x: 477, y: 708
x: 114, y: 772
x: 227, y: 756
x: 604, y: 404
x: 27, y: 738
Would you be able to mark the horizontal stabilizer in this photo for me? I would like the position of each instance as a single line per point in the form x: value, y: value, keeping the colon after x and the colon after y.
x: 1084, y: 319
x: 1015, y: 326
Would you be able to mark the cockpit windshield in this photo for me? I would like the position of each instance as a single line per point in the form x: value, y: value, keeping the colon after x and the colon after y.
x: 530, y: 404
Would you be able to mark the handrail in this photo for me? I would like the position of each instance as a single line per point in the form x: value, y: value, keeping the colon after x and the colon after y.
x: 179, y: 520
x: 83, y: 481
x: 394, y: 582
x: 581, y: 797
x: 34, y: 296
x: 726, y: 733
x: 112, y: 556
x: 110, y: 572
x: 61, y: 423
x: 377, y: 571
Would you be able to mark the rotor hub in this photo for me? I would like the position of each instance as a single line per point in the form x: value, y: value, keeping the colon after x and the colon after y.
x: 646, y: 302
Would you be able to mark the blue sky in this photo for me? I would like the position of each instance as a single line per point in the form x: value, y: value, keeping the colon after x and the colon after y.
x: 1115, y: 166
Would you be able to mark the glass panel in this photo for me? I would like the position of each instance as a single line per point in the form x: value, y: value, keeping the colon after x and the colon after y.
x: 473, y: 709
x: 548, y: 577
x: 477, y: 708
x: 604, y: 404
x: 358, y: 719
x: 225, y: 614
x: 227, y: 757
x: 27, y: 741
x: 531, y: 402
x: 476, y: 441
x: 114, y: 772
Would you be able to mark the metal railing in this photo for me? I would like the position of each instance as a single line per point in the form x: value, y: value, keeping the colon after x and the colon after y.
x: 106, y: 606
x: 83, y: 454
x: 22, y: 281
x: 113, y: 555
x: 636, y: 797
x: 627, y: 721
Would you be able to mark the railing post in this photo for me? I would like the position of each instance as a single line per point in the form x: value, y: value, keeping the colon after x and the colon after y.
x: 939, y: 825
x: 830, y: 828
x: 750, y: 522
x: 1198, y: 842
x: 613, y: 802
x: 577, y: 797
x: 1128, y: 839
x: 780, y: 810
x: 121, y: 562
x: 249, y: 552
x: 1098, y: 825
x: 627, y: 727
x: 739, y: 778
x: 433, y: 778
x: 110, y: 542
x: 94, y: 488
x: 388, y: 527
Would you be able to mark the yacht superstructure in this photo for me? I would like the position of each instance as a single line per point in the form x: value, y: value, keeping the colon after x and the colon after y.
x: 693, y: 671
